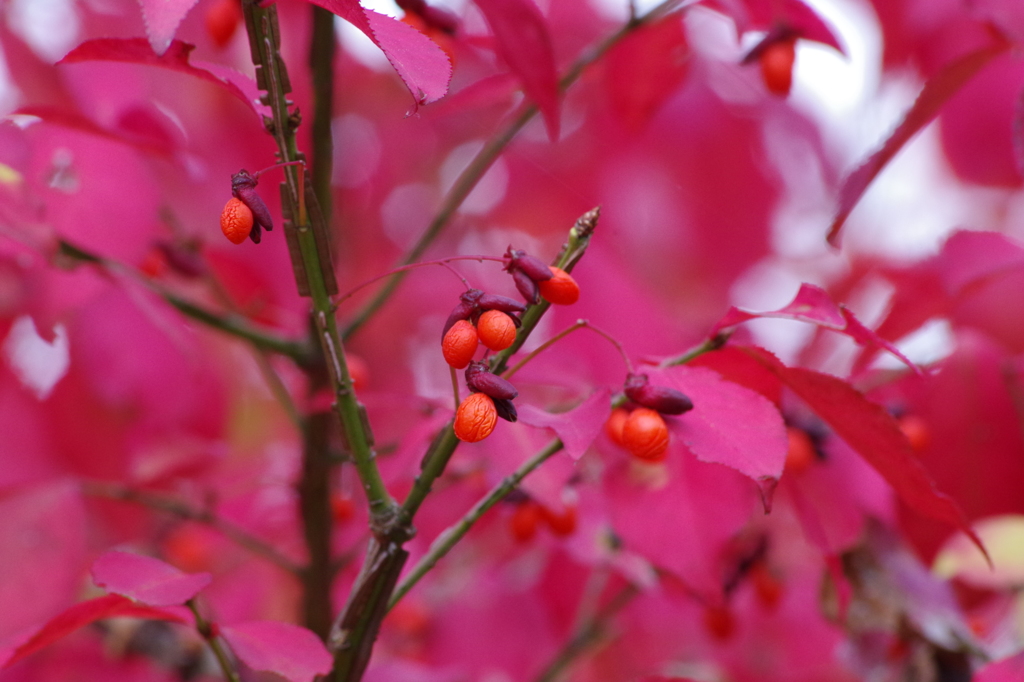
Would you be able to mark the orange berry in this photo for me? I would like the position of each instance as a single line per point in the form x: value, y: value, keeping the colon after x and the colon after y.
x: 645, y: 435
x: 916, y: 430
x: 236, y: 220
x: 222, y: 19
x: 560, y: 524
x: 475, y: 418
x: 459, y: 345
x: 801, y: 454
x: 496, y: 329
x: 524, y: 520
x: 613, y: 426
x: 777, y: 66
x: 561, y: 289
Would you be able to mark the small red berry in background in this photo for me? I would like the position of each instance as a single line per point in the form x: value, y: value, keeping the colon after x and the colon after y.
x: 776, y: 60
x: 222, y: 20
x: 802, y: 453
x: 561, y: 289
x: 613, y: 426
x: 916, y: 430
x: 459, y: 344
x: 496, y: 329
x: 358, y: 370
x: 475, y: 418
x: 342, y: 508
x: 719, y: 622
x: 645, y: 435
x: 524, y: 521
x: 562, y: 524
x: 767, y: 587
x: 236, y: 220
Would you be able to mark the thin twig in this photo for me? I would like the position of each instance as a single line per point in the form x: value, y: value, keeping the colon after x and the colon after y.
x: 206, y: 630
x: 240, y: 537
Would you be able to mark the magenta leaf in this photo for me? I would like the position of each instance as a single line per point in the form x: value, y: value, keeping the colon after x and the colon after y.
x: 729, y: 424
x: 421, y: 64
x: 293, y: 652
x: 146, y: 579
x: 524, y: 42
x: 162, y: 18
x: 1007, y: 670
x: 936, y: 92
x: 872, y: 432
x: 80, y: 615
x: 576, y: 428
x: 764, y: 15
x: 138, y: 51
x: 813, y: 304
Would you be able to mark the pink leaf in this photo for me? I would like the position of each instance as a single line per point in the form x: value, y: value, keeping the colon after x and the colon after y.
x: 729, y: 424
x: 421, y: 64
x: 764, y: 15
x: 525, y: 44
x: 293, y: 652
x: 162, y: 18
x: 576, y: 428
x: 936, y: 92
x: 138, y: 51
x: 147, y: 580
x: 870, y: 430
x: 1007, y: 670
x: 813, y: 304
x: 80, y: 615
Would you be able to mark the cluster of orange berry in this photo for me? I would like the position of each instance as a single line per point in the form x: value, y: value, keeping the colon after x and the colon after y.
x: 495, y: 326
x: 642, y: 429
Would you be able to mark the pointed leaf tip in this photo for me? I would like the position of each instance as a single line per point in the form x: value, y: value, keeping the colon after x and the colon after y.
x: 146, y: 579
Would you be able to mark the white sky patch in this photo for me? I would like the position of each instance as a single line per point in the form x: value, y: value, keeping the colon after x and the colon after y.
x: 50, y: 27
x: 38, y: 363
x: 931, y: 342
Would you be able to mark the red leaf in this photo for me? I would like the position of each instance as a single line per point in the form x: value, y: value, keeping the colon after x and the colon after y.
x: 293, y: 652
x: 729, y: 424
x: 525, y: 44
x: 138, y: 51
x: 80, y: 615
x: 162, y: 18
x: 576, y: 428
x: 764, y: 15
x: 636, y: 94
x: 421, y: 64
x: 936, y: 92
x: 812, y: 304
x: 146, y: 579
x: 870, y: 430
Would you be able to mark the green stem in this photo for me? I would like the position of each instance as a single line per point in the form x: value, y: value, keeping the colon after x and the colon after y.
x: 219, y: 650
x: 713, y: 343
x: 449, y: 537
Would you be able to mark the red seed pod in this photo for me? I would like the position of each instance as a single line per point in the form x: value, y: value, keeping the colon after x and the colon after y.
x: 776, y: 60
x: 645, y: 435
x: 243, y: 186
x: 560, y: 524
x: 236, y: 221
x: 524, y: 521
x: 526, y: 287
x: 561, y: 289
x: 222, y: 19
x: 801, y: 454
x: 459, y: 344
x: 506, y: 410
x: 496, y: 329
x: 502, y: 303
x: 661, y: 398
x: 481, y: 380
x: 534, y: 268
x: 475, y: 419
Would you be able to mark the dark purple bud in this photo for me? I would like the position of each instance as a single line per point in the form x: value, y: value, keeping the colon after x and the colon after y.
x: 661, y: 398
x: 254, y: 234
x: 506, y: 410
x: 502, y: 303
x: 481, y: 380
x: 462, y: 311
x: 526, y: 286
x: 182, y: 259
